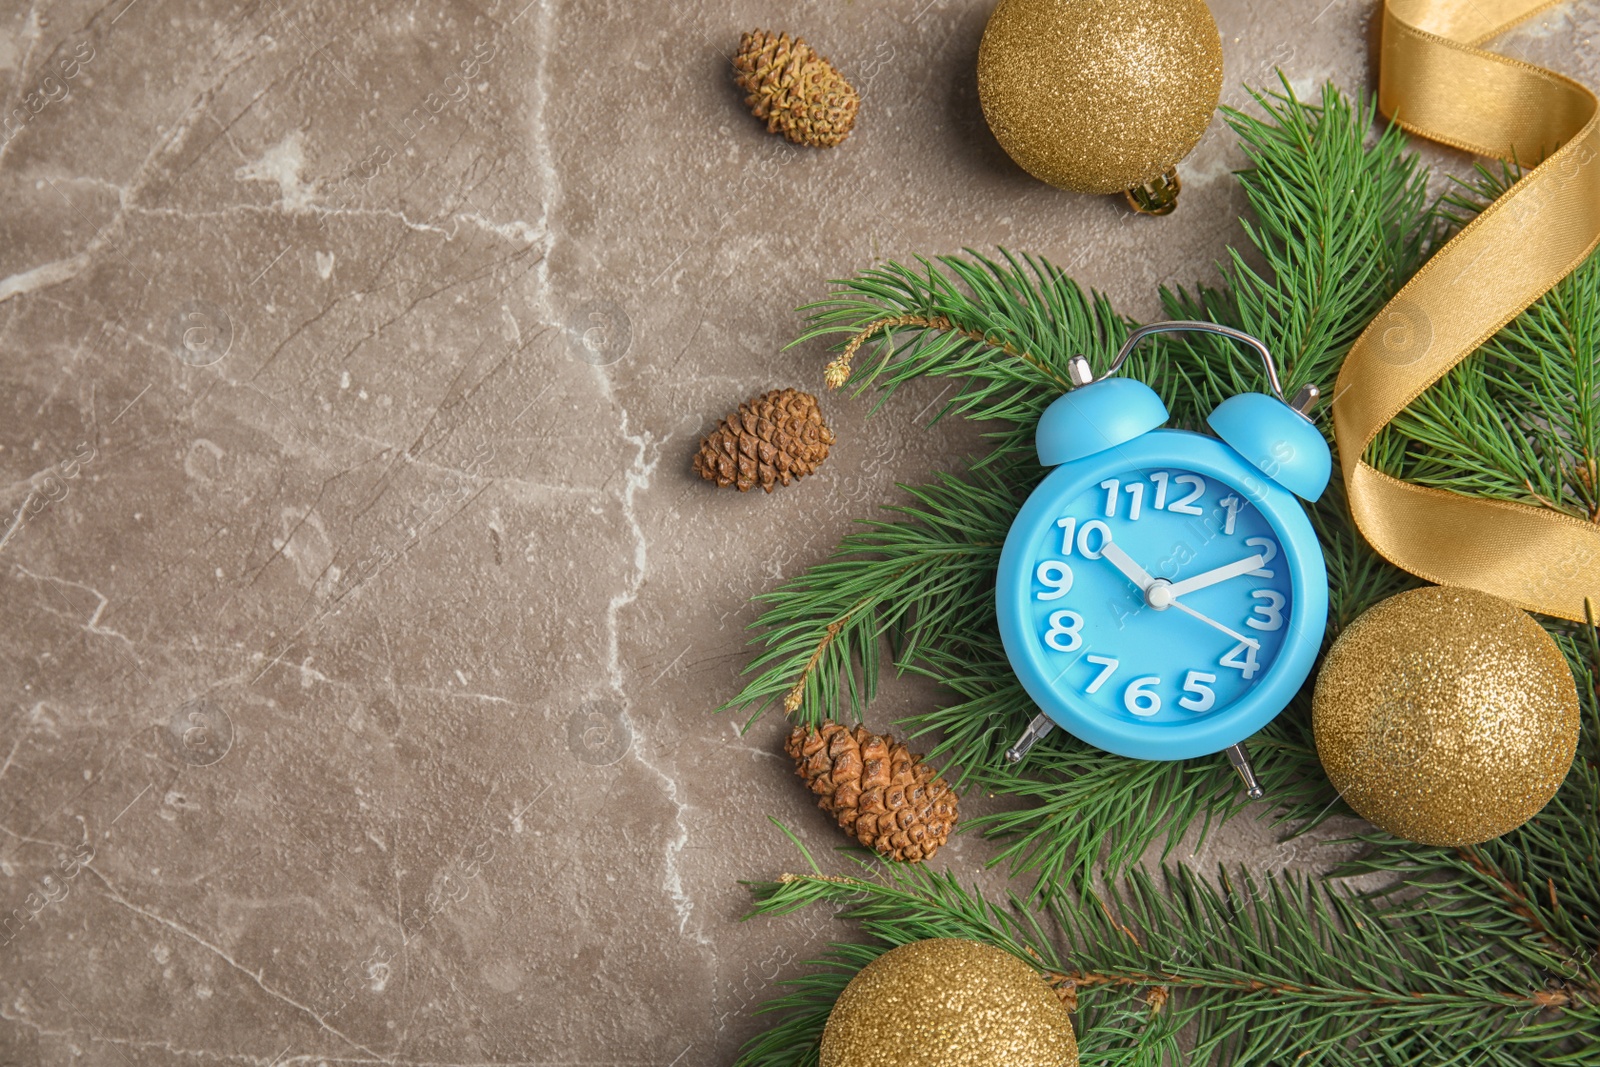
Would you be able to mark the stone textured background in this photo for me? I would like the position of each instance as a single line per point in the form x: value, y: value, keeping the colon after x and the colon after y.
x: 360, y: 615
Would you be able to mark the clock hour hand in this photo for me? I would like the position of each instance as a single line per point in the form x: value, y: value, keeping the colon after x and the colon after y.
x: 1124, y: 563
x: 1217, y: 574
x: 1213, y: 623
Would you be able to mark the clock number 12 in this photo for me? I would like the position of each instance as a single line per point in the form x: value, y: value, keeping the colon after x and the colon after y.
x: 1135, y: 490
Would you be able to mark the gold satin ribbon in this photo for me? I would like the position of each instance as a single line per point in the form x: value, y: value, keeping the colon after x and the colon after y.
x: 1436, y: 83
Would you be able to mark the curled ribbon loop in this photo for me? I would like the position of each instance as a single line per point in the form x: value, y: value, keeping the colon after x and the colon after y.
x: 1436, y: 83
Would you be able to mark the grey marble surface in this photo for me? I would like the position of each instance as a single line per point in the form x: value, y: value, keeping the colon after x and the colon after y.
x: 360, y: 615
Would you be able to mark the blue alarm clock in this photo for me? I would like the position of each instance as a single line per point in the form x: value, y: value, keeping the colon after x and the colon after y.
x: 1162, y: 595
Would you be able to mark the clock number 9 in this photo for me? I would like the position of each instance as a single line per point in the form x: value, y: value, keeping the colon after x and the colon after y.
x: 1056, y: 577
x: 1064, y: 624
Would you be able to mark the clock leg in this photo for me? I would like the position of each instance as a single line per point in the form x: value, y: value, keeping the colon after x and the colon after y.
x: 1241, y: 763
x: 1036, y: 730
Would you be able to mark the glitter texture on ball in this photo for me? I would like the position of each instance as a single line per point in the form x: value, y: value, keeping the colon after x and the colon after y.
x: 1098, y: 96
x: 1446, y: 716
x: 948, y: 1002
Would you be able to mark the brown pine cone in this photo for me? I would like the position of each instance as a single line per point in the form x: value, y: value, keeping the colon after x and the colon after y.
x: 796, y: 91
x: 777, y: 437
x: 877, y: 790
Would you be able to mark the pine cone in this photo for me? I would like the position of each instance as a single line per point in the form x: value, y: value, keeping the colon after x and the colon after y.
x: 795, y: 90
x: 877, y: 790
x: 775, y: 437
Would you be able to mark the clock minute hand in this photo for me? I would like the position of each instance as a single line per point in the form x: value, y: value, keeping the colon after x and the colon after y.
x: 1124, y: 563
x: 1209, y: 621
x: 1218, y: 574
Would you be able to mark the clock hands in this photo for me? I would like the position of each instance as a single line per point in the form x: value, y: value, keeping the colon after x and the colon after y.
x: 1162, y: 594
x: 1130, y: 570
x: 1218, y: 574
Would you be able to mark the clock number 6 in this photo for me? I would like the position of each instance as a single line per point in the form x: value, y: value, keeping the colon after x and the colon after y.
x: 1140, y: 699
x: 1064, y: 624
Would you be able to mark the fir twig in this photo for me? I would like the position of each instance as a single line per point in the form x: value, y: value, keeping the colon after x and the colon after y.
x: 914, y: 582
x: 838, y: 372
x: 1005, y: 328
x: 1256, y: 971
x: 1519, y: 419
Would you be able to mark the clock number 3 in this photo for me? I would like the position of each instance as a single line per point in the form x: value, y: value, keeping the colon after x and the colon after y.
x: 1271, y: 612
x: 1064, y: 634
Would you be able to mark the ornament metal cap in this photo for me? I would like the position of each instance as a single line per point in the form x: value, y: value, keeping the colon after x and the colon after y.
x: 1159, y: 196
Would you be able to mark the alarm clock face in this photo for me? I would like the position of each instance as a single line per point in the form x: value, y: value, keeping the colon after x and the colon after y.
x: 1146, y: 597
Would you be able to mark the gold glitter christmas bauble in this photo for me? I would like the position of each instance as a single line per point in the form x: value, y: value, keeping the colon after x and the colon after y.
x: 1099, y: 96
x: 1446, y: 716
x: 948, y: 1003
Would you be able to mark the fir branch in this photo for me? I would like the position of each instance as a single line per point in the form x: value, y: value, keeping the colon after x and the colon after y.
x: 1255, y: 972
x: 902, y: 903
x: 1090, y: 807
x: 1340, y: 224
x: 1519, y: 419
x: 838, y: 372
x: 1005, y: 328
x: 914, y: 583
